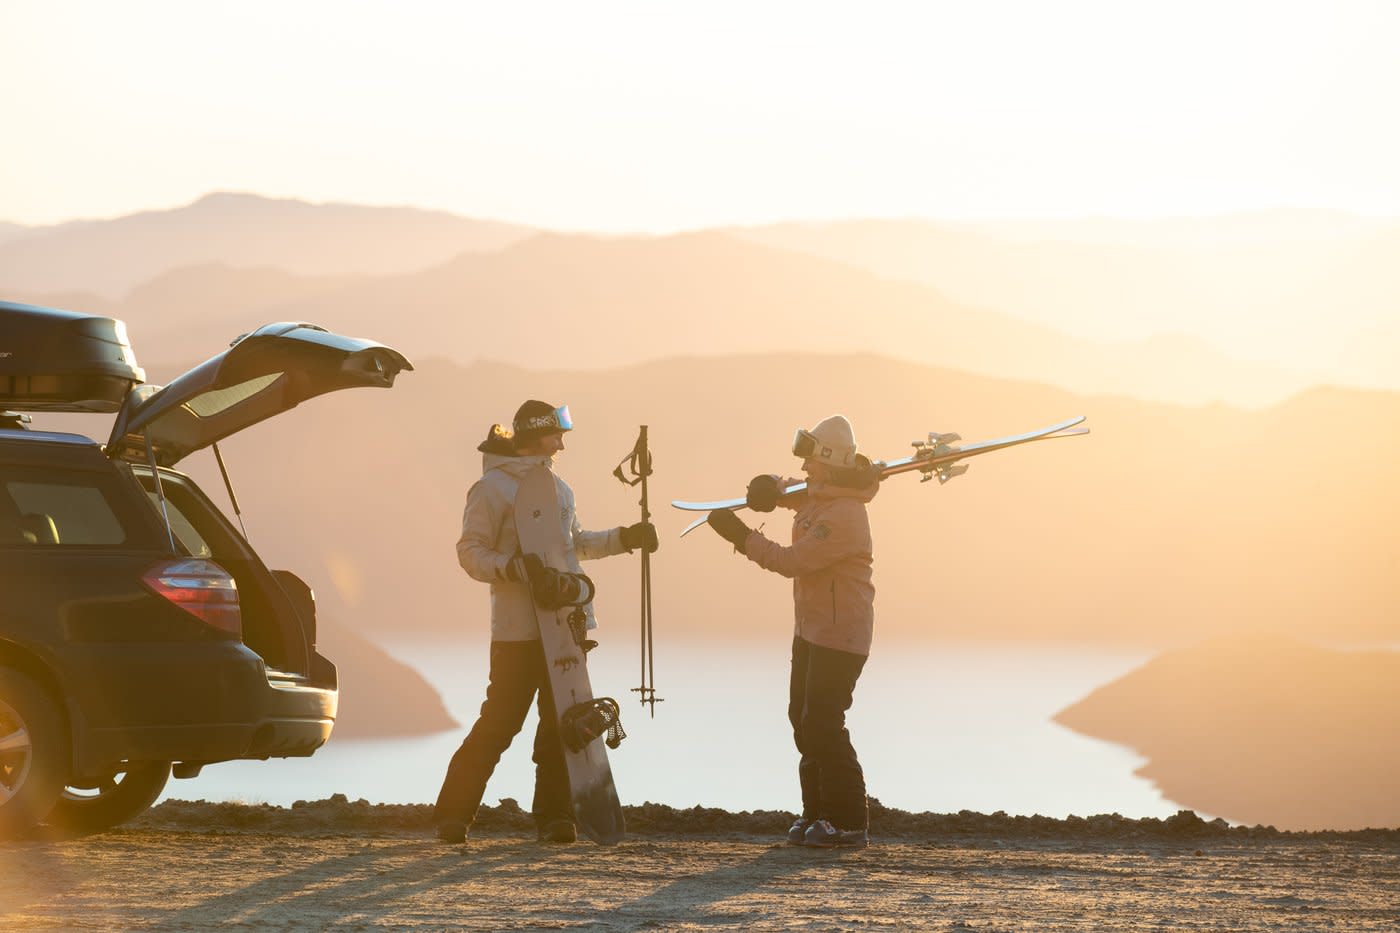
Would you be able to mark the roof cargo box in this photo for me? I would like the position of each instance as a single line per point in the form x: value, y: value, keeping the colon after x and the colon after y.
x: 63, y: 360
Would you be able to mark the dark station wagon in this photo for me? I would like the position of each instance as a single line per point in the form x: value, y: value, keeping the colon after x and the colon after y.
x: 138, y: 628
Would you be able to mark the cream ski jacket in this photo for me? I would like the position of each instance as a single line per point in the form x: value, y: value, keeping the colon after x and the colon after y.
x: 489, y: 541
x: 829, y: 562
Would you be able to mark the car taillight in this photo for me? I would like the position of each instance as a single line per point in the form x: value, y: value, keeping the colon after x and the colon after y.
x: 200, y: 587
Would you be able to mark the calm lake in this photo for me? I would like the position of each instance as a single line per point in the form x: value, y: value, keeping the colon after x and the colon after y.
x: 939, y: 727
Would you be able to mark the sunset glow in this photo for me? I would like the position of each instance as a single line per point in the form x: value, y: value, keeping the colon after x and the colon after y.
x: 633, y: 116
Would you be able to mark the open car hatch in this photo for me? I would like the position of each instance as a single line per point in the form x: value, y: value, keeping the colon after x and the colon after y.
x: 264, y: 373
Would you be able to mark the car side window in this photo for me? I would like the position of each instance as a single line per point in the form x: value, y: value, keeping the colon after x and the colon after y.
x: 69, y: 513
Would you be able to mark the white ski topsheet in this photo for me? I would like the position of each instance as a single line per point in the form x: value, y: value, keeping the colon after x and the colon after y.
x: 905, y: 464
x: 892, y: 466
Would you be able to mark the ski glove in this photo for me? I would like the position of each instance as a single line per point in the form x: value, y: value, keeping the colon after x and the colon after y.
x: 641, y: 535
x: 764, y: 492
x: 524, y: 568
x: 729, y: 527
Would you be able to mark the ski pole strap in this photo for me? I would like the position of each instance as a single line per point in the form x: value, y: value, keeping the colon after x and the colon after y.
x: 586, y: 721
x: 637, y: 462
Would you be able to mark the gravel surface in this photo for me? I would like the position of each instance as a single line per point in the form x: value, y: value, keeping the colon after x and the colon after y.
x: 194, y: 866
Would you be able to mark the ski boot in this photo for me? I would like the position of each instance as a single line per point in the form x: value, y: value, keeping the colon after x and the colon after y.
x: 823, y: 835
x: 558, y: 831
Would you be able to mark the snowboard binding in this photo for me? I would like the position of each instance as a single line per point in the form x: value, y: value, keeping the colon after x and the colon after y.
x: 586, y: 721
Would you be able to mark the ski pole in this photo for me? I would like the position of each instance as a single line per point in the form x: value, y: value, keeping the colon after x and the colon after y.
x: 638, y: 464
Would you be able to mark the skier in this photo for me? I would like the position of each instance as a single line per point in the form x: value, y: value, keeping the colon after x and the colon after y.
x: 488, y: 551
x: 829, y: 562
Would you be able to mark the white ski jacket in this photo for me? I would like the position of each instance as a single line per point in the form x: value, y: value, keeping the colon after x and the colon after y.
x: 489, y: 541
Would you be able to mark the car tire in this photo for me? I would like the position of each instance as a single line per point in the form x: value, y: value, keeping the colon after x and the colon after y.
x: 111, y: 802
x: 33, y: 752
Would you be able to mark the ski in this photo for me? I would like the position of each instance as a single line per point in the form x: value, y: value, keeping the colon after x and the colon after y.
x: 936, y: 457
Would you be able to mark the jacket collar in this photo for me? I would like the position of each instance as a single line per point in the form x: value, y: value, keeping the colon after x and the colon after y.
x: 515, y: 466
x: 826, y: 491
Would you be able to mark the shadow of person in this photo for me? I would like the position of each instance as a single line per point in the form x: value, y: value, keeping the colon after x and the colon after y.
x: 685, y: 899
x: 372, y: 883
x: 480, y: 885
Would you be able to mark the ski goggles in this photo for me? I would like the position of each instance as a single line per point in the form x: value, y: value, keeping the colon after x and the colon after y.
x: 805, y: 444
x: 557, y: 420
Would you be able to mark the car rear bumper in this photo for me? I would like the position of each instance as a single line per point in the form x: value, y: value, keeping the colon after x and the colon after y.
x: 223, y: 704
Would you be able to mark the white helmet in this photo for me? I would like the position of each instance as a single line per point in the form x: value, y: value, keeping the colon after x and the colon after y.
x: 832, y: 442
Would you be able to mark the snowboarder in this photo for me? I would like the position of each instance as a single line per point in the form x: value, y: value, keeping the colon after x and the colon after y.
x: 829, y: 562
x: 488, y: 551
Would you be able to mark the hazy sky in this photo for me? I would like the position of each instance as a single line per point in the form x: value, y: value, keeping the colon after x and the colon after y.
x: 661, y: 115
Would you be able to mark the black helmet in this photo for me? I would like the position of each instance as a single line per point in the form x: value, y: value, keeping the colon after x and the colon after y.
x: 535, y: 419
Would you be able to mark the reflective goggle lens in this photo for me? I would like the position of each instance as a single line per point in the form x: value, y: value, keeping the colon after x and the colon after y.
x: 557, y: 420
x: 804, y: 444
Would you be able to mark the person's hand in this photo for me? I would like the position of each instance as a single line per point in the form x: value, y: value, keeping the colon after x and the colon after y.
x: 546, y: 588
x: 641, y: 535
x: 524, y: 568
x: 729, y: 527
x: 763, y: 493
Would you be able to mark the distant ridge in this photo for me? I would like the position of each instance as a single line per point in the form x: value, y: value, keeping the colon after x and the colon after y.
x: 112, y: 256
x: 569, y: 300
x: 1245, y: 308
x: 10, y: 231
x: 1305, y: 290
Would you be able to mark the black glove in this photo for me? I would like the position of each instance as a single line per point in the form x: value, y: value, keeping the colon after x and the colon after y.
x: 641, y: 535
x: 764, y: 491
x: 525, y: 568
x: 543, y: 581
x: 729, y: 527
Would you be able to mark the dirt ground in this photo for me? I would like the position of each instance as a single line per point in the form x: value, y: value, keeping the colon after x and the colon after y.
x: 197, y: 866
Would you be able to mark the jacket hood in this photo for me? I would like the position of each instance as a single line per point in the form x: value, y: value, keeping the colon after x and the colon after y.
x: 514, y: 466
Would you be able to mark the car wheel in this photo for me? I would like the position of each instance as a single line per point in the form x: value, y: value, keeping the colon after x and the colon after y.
x: 92, y: 806
x: 33, y: 752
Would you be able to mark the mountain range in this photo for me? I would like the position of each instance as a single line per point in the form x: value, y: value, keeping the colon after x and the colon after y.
x: 560, y: 300
x: 110, y: 257
x: 1228, y: 518
x: 1308, y: 291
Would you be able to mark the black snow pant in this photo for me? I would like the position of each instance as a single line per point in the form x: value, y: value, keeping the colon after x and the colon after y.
x: 833, y: 785
x: 518, y: 674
